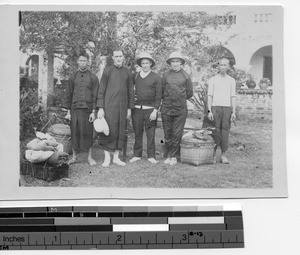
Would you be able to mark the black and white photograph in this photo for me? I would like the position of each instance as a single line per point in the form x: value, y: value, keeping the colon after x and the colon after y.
x: 151, y: 104
x: 166, y: 100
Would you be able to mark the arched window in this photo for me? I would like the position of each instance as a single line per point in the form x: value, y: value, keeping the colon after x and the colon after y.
x: 226, y: 53
x: 262, y: 63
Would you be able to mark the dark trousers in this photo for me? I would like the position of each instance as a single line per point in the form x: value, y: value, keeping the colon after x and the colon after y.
x: 222, y: 117
x: 140, y: 120
x: 173, y: 129
x: 81, y: 130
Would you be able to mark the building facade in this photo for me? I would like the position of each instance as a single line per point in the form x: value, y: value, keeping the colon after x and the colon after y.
x: 251, y: 45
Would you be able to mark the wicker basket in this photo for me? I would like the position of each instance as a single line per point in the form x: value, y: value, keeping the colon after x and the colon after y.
x: 44, y: 171
x: 62, y: 134
x: 197, y: 152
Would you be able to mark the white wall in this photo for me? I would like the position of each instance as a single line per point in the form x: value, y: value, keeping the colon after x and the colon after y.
x: 249, y: 36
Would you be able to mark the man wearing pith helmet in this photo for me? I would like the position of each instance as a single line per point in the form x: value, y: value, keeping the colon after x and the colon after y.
x: 148, y: 100
x: 176, y: 89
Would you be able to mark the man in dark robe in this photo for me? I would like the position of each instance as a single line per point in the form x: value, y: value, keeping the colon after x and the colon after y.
x: 115, y: 101
x: 80, y: 101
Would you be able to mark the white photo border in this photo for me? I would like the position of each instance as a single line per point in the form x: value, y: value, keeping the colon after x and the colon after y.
x: 9, y: 105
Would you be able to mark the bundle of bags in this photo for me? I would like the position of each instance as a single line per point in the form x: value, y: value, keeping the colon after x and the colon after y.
x: 45, y: 148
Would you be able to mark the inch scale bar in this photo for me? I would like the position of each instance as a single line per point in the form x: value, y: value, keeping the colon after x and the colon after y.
x: 123, y: 240
x: 120, y: 228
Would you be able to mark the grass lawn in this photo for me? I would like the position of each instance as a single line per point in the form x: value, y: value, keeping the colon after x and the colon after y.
x: 250, y: 156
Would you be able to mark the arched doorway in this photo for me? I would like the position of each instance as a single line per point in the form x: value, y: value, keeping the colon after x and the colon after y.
x: 226, y: 53
x: 33, y: 68
x: 262, y: 63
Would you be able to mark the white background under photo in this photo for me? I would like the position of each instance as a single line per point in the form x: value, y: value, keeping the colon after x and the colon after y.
x: 271, y: 226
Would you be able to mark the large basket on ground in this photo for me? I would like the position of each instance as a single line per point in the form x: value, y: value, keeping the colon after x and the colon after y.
x: 44, y: 171
x: 62, y: 134
x: 195, y: 151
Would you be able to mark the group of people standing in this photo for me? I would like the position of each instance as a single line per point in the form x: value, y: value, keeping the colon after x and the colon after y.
x: 120, y: 95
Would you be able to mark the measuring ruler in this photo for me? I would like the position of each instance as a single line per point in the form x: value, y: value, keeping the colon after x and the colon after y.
x: 130, y: 227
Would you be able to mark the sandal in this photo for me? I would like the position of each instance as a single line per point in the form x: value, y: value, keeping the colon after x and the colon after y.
x: 119, y: 162
x: 152, y: 160
x: 91, y: 162
x: 105, y: 164
x: 134, y: 159
x: 72, y: 161
x: 173, y: 161
x: 167, y: 161
x: 224, y: 160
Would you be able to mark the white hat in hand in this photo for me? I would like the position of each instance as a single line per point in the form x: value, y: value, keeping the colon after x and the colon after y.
x: 101, y: 126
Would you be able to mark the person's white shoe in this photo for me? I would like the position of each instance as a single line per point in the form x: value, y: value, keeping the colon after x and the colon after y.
x: 119, y: 162
x: 91, y: 162
x: 134, y: 159
x: 152, y: 160
x: 105, y: 163
x: 167, y: 161
x: 224, y: 160
x: 173, y: 161
x: 72, y: 161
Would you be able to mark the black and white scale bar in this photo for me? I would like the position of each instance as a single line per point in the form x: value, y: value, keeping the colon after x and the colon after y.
x: 55, y: 228
x: 124, y: 224
x: 116, y: 227
x: 119, y: 214
x: 119, y: 211
x: 88, y: 226
x: 123, y: 238
x: 126, y: 246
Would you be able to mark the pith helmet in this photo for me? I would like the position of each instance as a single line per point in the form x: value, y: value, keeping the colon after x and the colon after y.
x: 145, y: 55
x: 175, y: 55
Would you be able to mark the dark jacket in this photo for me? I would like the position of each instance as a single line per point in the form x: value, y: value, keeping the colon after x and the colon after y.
x: 81, y: 91
x: 176, y: 89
